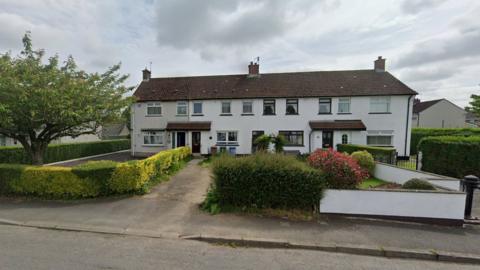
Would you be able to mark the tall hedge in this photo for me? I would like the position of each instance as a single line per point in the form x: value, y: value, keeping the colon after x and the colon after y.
x: 382, y: 154
x: 454, y: 156
x: 266, y: 181
x: 66, y: 151
x: 420, y: 133
x: 92, y: 179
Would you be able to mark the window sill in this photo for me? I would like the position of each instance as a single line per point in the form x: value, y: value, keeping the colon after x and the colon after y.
x: 226, y: 114
x: 291, y: 114
x: 153, y: 145
x: 153, y: 115
x: 344, y: 113
x: 181, y: 115
x: 247, y: 114
x: 269, y: 114
x: 380, y: 113
x: 198, y: 114
x: 325, y: 113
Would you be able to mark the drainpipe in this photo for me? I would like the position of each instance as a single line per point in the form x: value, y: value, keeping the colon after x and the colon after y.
x: 132, y: 127
x: 310, y: 141
x: 406, y: 127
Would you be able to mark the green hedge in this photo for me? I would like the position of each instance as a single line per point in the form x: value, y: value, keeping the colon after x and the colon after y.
x: 92, y: 179
x: 59, y: 152
x: 419, y: 133
x: 266, y: 181
x: 382, y: 154
x: 454, y: 156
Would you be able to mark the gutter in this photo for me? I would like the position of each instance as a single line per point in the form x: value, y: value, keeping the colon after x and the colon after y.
x: 406, y: 127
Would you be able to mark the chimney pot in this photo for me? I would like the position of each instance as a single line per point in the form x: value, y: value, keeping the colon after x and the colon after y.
x: 379, y: 64
x: 253, y: 70
x: 146, y: 75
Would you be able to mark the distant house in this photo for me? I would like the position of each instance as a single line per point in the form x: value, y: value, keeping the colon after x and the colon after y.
x: 115, y: 131
x: 439, y: 113
x: 472, y: 120
x: 6, y: 141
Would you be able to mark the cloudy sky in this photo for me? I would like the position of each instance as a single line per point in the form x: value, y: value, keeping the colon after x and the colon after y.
x: 432, y: 45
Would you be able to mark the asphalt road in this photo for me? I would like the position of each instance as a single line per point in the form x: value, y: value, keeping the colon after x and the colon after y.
x: 29, y: 248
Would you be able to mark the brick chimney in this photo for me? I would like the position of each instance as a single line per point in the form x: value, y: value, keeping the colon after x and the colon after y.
x: 146, y: 75
x: 380, y: 64
x: 253, y: 70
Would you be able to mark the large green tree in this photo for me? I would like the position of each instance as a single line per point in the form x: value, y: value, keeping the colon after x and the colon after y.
x: 42, y: 100
x: 474, y: 105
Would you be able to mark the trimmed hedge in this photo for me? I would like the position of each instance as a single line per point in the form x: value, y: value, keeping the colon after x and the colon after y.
x: 266, y: 181
x: 420, y: 133
x: 454, y: 156
x: 66, y: 151
x: 418, y: 184
x: 382, y: 154
x: 92, y: 179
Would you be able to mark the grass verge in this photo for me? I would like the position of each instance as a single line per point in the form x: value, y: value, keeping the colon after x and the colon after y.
x: 371, y: 183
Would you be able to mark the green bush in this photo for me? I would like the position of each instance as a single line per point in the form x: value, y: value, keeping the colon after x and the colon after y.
x: 59, y: 152
x: 365, y: 160
x: 419, y: 184
x: 266, y: 181
x: 451, y: 155
x: 88, y: 180
x: 420, y: 133
x: 382, y: 154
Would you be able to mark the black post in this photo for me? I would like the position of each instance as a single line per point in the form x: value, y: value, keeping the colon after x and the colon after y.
x: 470, y: 182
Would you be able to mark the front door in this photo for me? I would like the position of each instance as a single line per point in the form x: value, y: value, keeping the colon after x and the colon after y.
x: 196, y: 142
x: 327, y: 139
x: 255, y: 135
x: 181, y: 139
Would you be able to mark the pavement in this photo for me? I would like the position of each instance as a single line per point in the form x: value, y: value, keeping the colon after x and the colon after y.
x: 120, y: 156
x: 30, y: 248
x: 171, y: 211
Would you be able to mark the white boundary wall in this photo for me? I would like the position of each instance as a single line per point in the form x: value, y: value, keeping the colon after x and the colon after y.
x: 399, y: 175
x: 400, y: 203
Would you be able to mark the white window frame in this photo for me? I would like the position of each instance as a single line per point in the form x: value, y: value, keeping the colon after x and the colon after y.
x: 154, y: 105
x: 201, y: 108
x: 380, y: 133
x: 376, y: 102
x: 324, y: 101
x: 227, y: 141
x: 229, y: 108
x: 347, y: 136
x: 251, y: 107
x: 344, y: 101
x: 182, y: 104
x: 151, y: 133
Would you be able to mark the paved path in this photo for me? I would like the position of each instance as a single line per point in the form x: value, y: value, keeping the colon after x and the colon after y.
x: 117, y: 156
x: 28, y: 248
x: 171, y: 210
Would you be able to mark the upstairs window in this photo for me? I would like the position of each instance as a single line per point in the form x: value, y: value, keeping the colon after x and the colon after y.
x: 269, y: 107
x: 380, y: 105
x: 182, y: 108
x: 247, y: 107
x: 154, y: 108
x: 197, y: 107
x: 226, y: 107
x: 292, y: 106
x: 344, y: 105
x: 325, y: 106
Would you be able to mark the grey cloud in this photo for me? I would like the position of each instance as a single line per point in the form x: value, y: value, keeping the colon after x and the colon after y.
x: 209, y: 25
x: 465, y: 44
x: 430, y: 74
x: 417, y: 6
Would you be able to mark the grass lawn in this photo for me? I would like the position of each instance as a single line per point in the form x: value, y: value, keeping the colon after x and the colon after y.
x: 371, y: 182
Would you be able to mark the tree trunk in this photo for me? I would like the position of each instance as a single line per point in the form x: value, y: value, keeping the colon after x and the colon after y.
x: 37, y: 156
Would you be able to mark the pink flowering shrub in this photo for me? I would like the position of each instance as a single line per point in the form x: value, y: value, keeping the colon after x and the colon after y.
x: 341, y: 170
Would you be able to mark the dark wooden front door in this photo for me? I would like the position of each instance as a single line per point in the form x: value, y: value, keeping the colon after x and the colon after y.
x: 255, y: 135
x: 181, y: 139
x: 327, y: 139
x: 196, y: 137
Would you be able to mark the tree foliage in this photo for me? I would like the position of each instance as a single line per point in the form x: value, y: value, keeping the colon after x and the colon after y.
x: 43, y: 100
x: 474, y: 105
